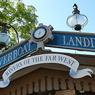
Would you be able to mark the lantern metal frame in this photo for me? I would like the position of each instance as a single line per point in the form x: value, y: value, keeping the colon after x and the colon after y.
x: 76, y: 11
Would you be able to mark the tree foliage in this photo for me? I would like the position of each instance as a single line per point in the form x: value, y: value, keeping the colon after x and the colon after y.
x: 22, y: 17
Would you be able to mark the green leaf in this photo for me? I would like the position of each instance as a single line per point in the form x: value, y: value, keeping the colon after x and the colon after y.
x: 20, y: 16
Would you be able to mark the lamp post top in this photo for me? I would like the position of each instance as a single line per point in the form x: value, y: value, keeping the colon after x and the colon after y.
x: 76, y: 11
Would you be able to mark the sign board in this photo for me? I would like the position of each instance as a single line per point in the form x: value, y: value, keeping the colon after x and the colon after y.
x: 16, y: 53
x: 43, y: 34
x: 61, y: 59
x: 79, y: 41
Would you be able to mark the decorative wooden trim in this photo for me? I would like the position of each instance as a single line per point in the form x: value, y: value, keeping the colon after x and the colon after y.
x: 49, y: 82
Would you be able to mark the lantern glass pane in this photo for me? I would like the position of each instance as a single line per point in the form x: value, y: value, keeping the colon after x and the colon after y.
x: 4, y: 38
x: 77, y: 19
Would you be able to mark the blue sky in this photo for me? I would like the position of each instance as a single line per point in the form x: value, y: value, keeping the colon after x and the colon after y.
x: 55, y: 12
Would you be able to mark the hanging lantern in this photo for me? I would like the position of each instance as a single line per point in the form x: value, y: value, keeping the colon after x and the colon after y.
x: 77, y: 21
x: 4, y: 38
